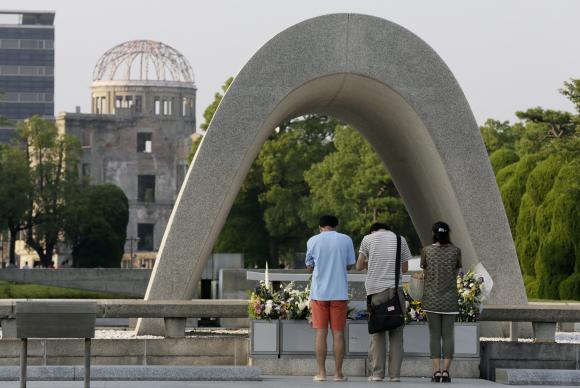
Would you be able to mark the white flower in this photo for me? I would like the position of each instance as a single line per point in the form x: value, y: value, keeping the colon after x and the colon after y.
x: 302, y: 305
x: 269, y: 306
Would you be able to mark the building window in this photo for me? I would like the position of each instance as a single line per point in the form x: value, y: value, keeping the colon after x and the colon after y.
x: 138, y: 104
x: 145, y: 235
x: 165, y: 107
x: 9, y: 43
x: 86, y: 138
x: 157, y: 106
x: 29, y: 44
x: 118, y: 101
x: 146, y: 188
x: 144, y: 142
x: 86, y: 170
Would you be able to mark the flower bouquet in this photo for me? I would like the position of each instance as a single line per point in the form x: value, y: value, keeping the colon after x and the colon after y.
x: 295, y: 302
x: 264, y: 303
x: 413, y: 310
x: 470, y: 287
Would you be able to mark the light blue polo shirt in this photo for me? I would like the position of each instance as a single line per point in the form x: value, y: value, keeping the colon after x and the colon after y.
x: 329, y: 252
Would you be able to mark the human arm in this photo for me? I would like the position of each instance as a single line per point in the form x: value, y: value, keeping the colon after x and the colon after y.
x: 363, y: 255
x: 350, y: 259
x: 361, y: 262
x: 459, y: 263
x: 309, y: 260
x: 405, y: 254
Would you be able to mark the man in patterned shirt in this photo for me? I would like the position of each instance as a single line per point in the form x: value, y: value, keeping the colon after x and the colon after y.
x: 377, y: 253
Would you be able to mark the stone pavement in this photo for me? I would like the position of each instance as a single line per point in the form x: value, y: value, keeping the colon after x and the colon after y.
x: 268, y: 382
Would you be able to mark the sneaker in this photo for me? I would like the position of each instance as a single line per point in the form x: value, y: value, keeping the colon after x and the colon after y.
x: 375, y: 379
x: 395, y: 380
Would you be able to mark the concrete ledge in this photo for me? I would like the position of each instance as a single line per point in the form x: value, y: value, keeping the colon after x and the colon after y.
x: 537, y: 376
x: 357, y: 366
x: 134, y: 373
x: 520, y: 355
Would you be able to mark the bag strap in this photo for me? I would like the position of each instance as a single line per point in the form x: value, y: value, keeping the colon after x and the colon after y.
x: 398, y: 264
x: 397, y: 270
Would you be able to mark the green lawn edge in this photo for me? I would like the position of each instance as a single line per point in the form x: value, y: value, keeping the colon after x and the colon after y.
x: 9, y: 290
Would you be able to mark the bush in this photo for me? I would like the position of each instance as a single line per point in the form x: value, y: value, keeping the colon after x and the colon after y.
x: 570, y: 288
x: 514, y: 188
x: 501, y: 158
x: 527, y: 242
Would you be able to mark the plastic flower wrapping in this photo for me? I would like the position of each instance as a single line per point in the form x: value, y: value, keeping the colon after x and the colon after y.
x: 470, y: 289
x: 288, y: 302
x: 470, y: 296
x: 413, y: 310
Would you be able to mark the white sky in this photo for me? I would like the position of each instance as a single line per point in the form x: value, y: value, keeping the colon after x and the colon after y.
x: 507, y: 55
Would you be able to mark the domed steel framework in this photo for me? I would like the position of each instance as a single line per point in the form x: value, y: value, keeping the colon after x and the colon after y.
x: 143, y: 60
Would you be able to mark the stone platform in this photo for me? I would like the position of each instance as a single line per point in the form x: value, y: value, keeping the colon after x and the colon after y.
x: 357, y: 366
x: 134, y: 373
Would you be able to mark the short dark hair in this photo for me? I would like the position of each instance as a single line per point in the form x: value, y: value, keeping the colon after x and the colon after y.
x: 378, y: 226
x: 441, y: 233
x: 328, y: 220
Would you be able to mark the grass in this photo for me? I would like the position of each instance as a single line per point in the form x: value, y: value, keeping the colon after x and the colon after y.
x: 10, y: 290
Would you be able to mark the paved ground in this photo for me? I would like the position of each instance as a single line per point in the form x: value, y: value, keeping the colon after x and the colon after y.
x: 268, y: 382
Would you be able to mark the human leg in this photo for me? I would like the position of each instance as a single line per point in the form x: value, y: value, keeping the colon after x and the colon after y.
x: 434, y: 322
x: 321, y: 351
x: 378, y: 346
x: 396, y: 350
x: 338, y: 311
x: 447, y: 334
x: 320, y: 320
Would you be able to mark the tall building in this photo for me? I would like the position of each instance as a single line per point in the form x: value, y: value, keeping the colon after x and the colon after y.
x: 138, y: 135
x: 26, y: 64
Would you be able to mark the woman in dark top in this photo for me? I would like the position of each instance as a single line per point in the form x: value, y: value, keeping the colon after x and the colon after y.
x: 441, y: 262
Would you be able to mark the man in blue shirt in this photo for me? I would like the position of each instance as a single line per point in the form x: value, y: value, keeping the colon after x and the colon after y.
x: 329, y: 255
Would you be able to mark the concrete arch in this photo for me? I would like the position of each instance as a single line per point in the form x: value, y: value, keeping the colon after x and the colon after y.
x: 392, y: 87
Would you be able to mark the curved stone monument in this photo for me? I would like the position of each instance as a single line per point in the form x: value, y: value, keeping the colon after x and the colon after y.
x: 398, y: 93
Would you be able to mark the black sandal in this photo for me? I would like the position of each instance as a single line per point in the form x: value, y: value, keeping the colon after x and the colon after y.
x: 436, y: 377
x: 445, y: 377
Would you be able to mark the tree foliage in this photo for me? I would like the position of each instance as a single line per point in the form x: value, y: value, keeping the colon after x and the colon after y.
x: 15, y: 193
x: 291, y: 183
x: 97, y: 226
x: 354, y: 184
x: 210, y: 110
x: 52, y: 159
x: 537, y: 166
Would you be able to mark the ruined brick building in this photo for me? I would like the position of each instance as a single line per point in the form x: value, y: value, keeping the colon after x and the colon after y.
x: 138, y: 135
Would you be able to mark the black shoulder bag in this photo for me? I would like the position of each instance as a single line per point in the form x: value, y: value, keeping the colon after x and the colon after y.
x: 388, y: 315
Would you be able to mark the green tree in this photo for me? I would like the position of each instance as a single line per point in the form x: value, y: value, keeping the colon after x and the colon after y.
x: 502, y: 157
x: 53, y: 160
x: 498, y: 134
x: 194, y: 146
x: 354, y: 184
x: 97, y: 226
x: 15, y: 193
x: 210, y: 110
x: 284, y: 160
x: 571, y: 90
x: 539, y: 185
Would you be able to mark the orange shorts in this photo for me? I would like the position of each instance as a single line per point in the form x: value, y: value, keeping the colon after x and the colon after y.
x: 324, y: 311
